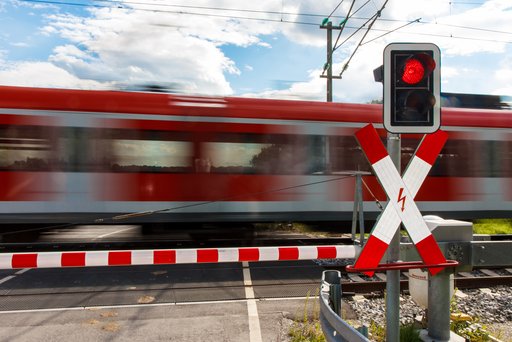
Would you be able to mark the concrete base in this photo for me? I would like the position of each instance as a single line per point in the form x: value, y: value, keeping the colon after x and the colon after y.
x: 453, y: 337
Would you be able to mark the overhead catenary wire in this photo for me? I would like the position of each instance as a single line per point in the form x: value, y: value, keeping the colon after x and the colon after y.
x: 342, y: 26
x: 334, y: 10
x: 53, y: 2
x: 451, y: 36
x: 398, y: 28
x: 225, y: 9
x: 354, y: 33
x: 345, y: 66
x: 328, y: 64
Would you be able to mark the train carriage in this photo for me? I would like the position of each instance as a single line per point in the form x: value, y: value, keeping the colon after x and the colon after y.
x: 81, y: 155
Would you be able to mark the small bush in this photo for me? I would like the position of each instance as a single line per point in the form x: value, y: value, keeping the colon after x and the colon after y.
x: 409, y: 333
x: 304, y: 329
x: 471, y: 330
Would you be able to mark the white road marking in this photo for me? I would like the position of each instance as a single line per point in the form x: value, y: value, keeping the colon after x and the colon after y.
x: 252, y: 308
x: 20, y: 272
x: 3, y: 280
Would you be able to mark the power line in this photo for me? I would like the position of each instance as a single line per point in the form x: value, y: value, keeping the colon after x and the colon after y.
x: 172, y: 12
x: 298, y: 14
x: 364, y: 36
x: 223, y: 9
x: 465, y: 27
x: 345, y: 21
x: 276, y: 20
x: 334, y: 10
x: 398, y: 28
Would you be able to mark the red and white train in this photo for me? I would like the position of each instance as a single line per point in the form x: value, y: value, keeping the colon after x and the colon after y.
x: 76, y: 156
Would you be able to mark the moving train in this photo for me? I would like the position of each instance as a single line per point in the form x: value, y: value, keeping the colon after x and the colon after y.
x: 89, y: 156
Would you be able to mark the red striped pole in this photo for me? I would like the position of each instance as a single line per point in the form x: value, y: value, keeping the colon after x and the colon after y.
x: 173, y: 256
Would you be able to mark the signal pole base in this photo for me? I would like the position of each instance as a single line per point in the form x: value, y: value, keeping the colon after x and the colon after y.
x: 453, y: 337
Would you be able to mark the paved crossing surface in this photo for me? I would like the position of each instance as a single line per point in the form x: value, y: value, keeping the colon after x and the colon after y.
x: 217, y: 302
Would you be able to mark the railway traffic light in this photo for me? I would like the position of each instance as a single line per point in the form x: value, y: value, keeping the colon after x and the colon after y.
x: 411, y: 78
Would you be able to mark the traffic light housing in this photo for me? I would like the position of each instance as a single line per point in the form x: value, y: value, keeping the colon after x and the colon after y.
x: 412, y: 88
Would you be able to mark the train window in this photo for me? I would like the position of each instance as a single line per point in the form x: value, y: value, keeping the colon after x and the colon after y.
x: 346, y: 155
x: 233, y: 157
x: 257, y: 154
x: 144, y: 151
x: 26, y: 148
x: 150, y: 155
x: 73, y: 150
x: 458, y: 158
x: 501, y: 153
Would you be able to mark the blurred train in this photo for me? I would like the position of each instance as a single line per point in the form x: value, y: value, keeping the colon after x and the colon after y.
x: 77, y: 156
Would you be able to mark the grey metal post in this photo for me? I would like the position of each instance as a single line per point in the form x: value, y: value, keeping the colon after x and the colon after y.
x: 359, y: 189
x: 393, y: 255
x: 358, y: 212
x: 329, y: 61
x: 328, y: 65
x: 439, y: 306
x: 354, y: 212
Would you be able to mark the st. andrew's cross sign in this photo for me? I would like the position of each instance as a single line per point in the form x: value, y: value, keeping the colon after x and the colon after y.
x: 401, y: 193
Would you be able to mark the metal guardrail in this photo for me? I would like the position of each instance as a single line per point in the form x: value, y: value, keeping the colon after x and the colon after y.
x: 334, y: 328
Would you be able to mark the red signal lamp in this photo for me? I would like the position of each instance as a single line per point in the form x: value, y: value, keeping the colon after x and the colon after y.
x: 413, y: 71
x: 417, y: 67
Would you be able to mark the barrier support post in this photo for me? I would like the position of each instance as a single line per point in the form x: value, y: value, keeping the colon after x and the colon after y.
x: 358, y: 212
x: 439, y: 306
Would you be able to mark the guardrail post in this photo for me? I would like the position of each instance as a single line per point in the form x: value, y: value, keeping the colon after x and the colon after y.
x: 332, y: 280
x: 334, y: 328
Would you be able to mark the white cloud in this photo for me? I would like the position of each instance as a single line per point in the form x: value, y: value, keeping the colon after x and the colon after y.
x: 450, y: 31
x: 127, y: 47
x: 43, y: 74
x: 136, y: 46
x: 503, y: 77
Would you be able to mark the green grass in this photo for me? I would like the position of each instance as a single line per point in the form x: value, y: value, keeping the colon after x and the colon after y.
x: 492, y: 226
x: 306, y: 327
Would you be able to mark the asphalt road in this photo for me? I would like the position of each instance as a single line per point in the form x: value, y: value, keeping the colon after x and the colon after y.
x: 198, y: 302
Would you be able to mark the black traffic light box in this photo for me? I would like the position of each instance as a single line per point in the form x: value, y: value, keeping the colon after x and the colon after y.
x: 412, y: 82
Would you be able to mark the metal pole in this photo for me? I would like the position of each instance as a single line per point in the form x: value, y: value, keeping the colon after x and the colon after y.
x: 358, y: 213
x: 393, y: 255
x: 359, y: 186
x: 328, y: 65
x: 439, y: 306
x: 329, y: 61
x: 355, y: 211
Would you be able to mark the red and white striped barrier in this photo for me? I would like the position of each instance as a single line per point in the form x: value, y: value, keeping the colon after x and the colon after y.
x: 401, y: 206
x: 173, y: 256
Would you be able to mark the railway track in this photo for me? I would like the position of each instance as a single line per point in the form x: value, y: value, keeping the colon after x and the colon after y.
x: 352, y: 283
x: 478, y: 278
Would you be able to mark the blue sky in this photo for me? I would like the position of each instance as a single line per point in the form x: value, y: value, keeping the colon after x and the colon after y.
x: 206, y: 47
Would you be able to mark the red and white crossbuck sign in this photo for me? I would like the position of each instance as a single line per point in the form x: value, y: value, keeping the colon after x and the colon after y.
x: 401, y: 193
